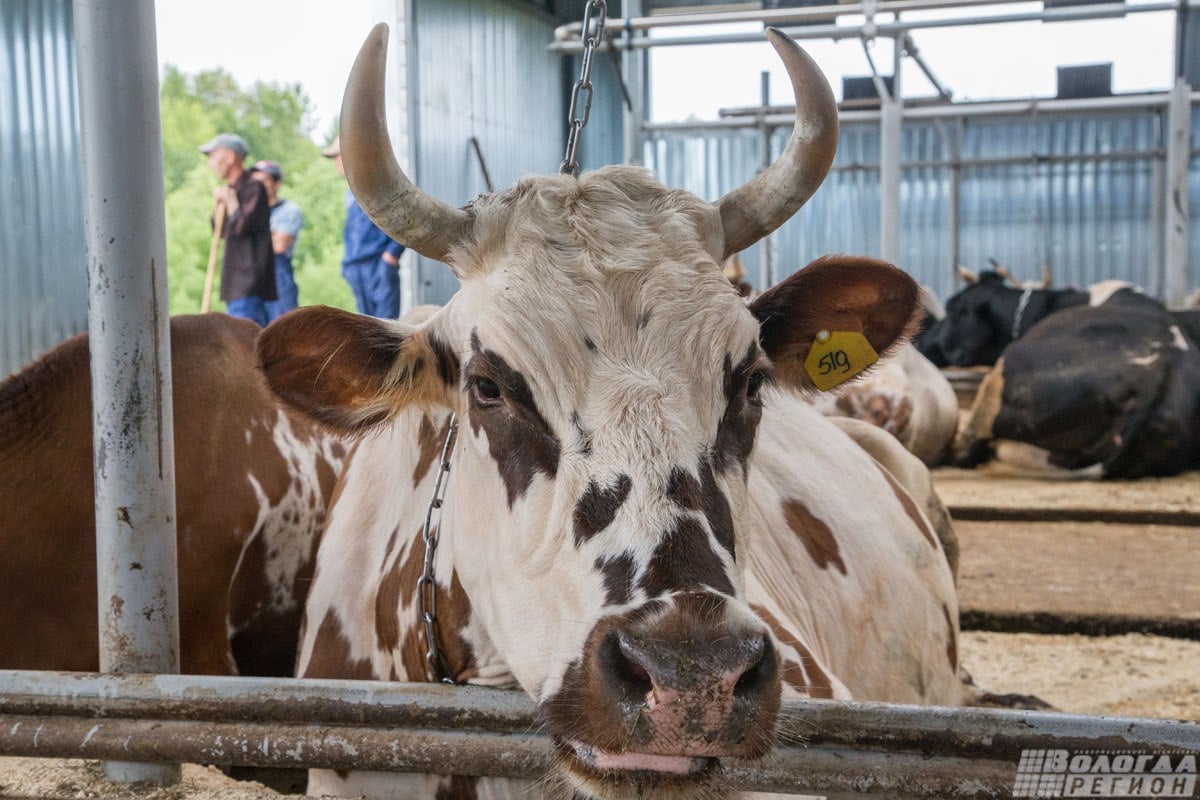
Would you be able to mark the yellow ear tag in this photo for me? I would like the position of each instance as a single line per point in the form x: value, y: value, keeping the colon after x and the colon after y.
x: 837, y: 356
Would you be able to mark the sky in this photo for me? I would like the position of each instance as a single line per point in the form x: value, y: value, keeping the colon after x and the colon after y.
x: 313, y: 42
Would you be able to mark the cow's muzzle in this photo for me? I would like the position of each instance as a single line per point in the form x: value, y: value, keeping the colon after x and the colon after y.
x: 665, y: 691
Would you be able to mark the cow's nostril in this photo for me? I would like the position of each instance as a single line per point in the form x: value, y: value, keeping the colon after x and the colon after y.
x: 761, y: 670
x: 623, y: 662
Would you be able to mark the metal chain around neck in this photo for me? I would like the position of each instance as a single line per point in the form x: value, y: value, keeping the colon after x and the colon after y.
x: 1021, y: 305
x: 436, y: 668
x: 591, y: 33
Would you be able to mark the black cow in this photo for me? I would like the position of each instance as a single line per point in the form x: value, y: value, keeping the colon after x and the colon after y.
x: 1115, y: 385
x: 986, y: 317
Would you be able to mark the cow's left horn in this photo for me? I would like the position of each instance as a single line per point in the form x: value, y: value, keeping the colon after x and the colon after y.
x: 390, y: 199
x: 765, y: 202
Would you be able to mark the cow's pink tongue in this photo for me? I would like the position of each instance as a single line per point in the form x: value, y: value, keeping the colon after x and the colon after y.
x: 600, y: 759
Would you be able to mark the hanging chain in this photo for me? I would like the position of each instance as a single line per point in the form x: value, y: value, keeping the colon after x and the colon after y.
x: 435, y: 660
x: 591, y: 33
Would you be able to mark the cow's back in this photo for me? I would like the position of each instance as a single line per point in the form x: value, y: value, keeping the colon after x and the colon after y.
x: 873, y: 591
x: 251, y: 490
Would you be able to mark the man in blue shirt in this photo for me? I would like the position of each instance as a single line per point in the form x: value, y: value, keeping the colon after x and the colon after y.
x: 286, y: 221
x: 371, y: 264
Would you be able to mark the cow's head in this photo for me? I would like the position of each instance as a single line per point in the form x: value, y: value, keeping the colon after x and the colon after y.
x: 978, y: 323
x: 609, y: 383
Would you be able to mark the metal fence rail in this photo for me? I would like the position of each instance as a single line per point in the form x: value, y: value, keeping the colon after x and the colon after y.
x: 837, y: 749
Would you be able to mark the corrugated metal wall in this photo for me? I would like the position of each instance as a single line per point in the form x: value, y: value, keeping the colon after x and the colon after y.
x: 482, y: 69
x: 1080, y: 192
x: 43, y: 275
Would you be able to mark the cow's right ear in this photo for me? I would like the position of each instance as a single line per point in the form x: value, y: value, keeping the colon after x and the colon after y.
x: 352, y: 372
x: 844, y: 295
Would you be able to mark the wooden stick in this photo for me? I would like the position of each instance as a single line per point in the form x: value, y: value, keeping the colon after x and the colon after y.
x: 218, y: 224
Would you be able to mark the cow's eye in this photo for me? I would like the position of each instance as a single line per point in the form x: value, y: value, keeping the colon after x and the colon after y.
x: 485, y: 391
x: 755, y: 382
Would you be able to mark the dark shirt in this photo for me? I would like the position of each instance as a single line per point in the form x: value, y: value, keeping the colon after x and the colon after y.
x: 249, y: 267
x: 365, y: 242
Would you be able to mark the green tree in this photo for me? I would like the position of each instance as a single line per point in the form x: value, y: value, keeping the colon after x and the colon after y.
x: 276, y: 122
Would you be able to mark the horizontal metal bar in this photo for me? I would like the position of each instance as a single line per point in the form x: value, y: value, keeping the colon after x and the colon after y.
x: 780, y: 16
x: 745, y: 118
x: 949, y: 731
x: 884, y: 29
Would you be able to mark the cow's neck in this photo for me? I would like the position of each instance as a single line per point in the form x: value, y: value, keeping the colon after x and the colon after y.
x: 1025, y: 308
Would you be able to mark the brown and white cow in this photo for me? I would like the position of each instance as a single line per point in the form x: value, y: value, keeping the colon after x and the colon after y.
x: 252, y: 484
x: 643, y: 528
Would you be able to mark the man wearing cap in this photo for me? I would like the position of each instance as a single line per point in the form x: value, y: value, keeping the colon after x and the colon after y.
x: 248, y: 271
x: 286, y: 221
x: 371, y: 264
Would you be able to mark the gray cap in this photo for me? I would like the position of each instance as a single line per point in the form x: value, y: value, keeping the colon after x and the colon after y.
x: 229, y: 140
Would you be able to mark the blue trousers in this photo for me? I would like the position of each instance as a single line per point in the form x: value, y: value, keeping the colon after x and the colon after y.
x: 249, y: 307
x: 376, y: 287
x: 288, y: 295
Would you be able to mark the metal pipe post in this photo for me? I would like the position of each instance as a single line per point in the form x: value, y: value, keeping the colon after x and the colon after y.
x: 1175, y: 231
x: 133, y: 439
x: 633, y: 66
x: 890, y: 133
x: 767, y: 266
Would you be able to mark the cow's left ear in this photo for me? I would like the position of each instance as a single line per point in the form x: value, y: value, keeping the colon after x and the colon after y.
x: 848, y: 295
x: 353, y: 372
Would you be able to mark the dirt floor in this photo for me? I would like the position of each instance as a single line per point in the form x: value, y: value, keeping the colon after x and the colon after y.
x: 68, y: 779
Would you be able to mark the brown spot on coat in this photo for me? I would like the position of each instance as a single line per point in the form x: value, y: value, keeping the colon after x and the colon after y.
x: 618, y: 574
x: 910, y: 507
x: 706, y: 497
x: 817, y: 537
x: 331, y: 654
x: 598, y: 506
x: 684, y: 561
x: 808, y: 677
x: 430, y: 442
x: 520, y: 439
x: 739, y: 425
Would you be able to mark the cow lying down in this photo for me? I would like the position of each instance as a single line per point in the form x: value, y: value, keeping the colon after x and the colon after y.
x: 252, y: 482
x: 643, y: 528
x: 1107, y: 388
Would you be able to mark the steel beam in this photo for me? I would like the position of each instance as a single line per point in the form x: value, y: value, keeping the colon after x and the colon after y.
x: 1175, y: 232
x: 133, y: 444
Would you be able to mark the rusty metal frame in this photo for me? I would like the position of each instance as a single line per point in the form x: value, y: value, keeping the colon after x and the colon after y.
x: 836, y: 749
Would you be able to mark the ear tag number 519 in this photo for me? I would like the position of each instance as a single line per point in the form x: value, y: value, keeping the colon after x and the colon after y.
x: 837, y: 356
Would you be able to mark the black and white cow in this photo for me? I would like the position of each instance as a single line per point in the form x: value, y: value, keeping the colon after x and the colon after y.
x: 1112, y: 388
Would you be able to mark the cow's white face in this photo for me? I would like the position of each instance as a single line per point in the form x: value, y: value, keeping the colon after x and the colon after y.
x: 607, y: 378
x: 608, y: 399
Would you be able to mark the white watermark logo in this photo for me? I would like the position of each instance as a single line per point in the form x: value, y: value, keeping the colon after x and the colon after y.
x: 1098, y: 773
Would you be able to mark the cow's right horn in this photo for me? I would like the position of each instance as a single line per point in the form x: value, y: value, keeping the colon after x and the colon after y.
x: 766, y: 201
x: 385, y: 193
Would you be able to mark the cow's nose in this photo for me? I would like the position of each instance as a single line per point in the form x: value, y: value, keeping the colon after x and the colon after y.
x: 694, y: 693
x: 737, y: 664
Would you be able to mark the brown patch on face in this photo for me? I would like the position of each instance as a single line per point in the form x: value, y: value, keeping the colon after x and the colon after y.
x: 951, y: 639
x: 739, y: 425
x: 618, y: 578
x: 817, y: 537
x: 448, y: 367
x: 684, y: 561
x: 596, y: 509
x: 331, y: 654
x: 707, y: 498
x: 910, y: 507
x: 430, y: 442
x: 808, y: 678
x: 456, y: 787
x: 520, y: 439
